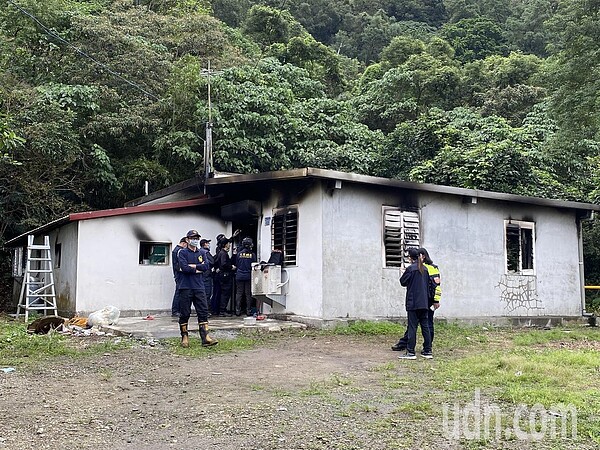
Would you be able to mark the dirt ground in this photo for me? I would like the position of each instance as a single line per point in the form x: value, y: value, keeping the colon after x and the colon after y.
x: 294, y: 392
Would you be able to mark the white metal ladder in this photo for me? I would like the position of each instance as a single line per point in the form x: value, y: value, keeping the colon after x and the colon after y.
x: 37, y: 290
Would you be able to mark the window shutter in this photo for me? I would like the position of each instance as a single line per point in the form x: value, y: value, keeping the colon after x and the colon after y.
x: 284, y: 234
x: 401, y: 232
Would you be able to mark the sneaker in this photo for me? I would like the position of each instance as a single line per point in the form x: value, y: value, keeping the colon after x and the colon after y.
x: 408, y: 356
x: 427, y: 355
x: 399, y: 347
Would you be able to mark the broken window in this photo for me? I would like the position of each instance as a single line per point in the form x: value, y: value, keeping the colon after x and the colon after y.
x: 154, y: 253
x: 400, y: 232
x: 284, y: 233
x: 57, y: 255
x: 18, y: 262
x: 519, y: 247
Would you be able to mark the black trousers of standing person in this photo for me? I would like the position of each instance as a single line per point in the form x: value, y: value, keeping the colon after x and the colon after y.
x: 243, y: 287
x: 226, y: 283
x: 415, y: 318
x: 403, y: 342
x: 197, y: 297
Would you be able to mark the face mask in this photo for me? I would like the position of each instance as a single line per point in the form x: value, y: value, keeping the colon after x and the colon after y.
x: 194, y: 242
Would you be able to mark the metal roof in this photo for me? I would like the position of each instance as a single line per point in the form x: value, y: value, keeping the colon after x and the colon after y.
x: 195, y: 187
x: 309, y: 172
x: 75, y: 217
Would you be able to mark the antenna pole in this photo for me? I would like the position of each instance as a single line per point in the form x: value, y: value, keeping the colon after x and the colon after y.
x: 208, y: 159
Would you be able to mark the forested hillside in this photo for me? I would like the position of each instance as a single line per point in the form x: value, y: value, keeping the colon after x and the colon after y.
x: 98, y: 96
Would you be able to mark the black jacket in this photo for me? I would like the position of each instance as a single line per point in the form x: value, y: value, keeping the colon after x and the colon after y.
x: 417, y: 287
x: 224, y: 263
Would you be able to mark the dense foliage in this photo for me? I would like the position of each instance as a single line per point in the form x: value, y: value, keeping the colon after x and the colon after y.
x: 98, y: 96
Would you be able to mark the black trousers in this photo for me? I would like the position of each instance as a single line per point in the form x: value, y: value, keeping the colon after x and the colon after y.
x: 404, y: 339
x: 243, y: 287
x: 187, y: 297
x: 226, y: 284
x: 416, y: 318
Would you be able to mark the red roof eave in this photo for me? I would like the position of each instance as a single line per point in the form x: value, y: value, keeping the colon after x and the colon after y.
x: 137, y: 209
x: 20, y: 240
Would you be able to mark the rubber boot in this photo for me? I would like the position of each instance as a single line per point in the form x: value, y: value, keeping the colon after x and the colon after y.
x: 185, y: 342
x: 207, y: 341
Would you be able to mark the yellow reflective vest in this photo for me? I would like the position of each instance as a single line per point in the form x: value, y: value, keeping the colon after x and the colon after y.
x: 435, y: 278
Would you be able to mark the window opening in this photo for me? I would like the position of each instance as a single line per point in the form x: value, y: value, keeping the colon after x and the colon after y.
x: 57, y: 255
x: 154, y: 253
x: 401, y: 231
x: 18, y: 262
x: 284, y: 233
x: 519, y: 241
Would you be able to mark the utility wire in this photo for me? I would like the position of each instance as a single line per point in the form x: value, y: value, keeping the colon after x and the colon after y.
x: 81, y: 52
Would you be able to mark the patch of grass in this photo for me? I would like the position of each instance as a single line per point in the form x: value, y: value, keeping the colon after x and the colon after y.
x: 538, y: 337
x: 106, y: 374
x: 383, y: 367
x: 18, y: 347
x: 363, y: 327
x: 339, y: 380
x: 281, y: 393
x: 355, y: 407
x: 241, y: 342
x: 419, y: 410
x: 315, y: 389
x: 522, y: 376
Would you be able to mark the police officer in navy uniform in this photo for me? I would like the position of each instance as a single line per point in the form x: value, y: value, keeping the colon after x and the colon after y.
x: 192, y: 264
x: 177, y: 275
x: 208, y: 275
x: 243, y: 276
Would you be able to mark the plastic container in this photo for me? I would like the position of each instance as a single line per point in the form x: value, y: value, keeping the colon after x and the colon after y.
x: 249, y: 321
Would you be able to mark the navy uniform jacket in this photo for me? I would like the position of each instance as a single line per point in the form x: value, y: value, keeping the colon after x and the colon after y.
x: 417, y: 287
x: 244, y: 260
x: 190, y: 278
x: 175, y: 261
x: 210, y: 260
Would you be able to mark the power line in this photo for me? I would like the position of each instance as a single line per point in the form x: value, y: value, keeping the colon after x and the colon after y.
x: 81, y: 52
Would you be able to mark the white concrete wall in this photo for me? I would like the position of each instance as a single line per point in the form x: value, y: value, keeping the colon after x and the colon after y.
x: 65, y: 276
x: 108, y: 262
x: 465, y: 240
x: 355, y: 282
x: 306, y: 278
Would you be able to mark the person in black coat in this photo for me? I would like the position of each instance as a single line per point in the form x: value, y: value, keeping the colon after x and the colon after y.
x: 416, y: 281
x: 226, y: 270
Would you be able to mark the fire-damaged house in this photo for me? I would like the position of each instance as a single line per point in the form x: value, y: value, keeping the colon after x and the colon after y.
x: 343, y: 236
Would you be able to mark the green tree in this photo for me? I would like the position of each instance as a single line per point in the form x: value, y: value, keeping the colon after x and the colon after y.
x: 406, y: 91
x: 400, y: 49
x: 321, y: 62
x: 487, y: 153
x: 267, y: 26
x: 526, y: 28
x: 573, y: 67
x: 475, y: 38
x: 505, y: 86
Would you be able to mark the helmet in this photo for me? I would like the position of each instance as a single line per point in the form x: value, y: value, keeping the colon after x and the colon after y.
x: 247, y: 242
